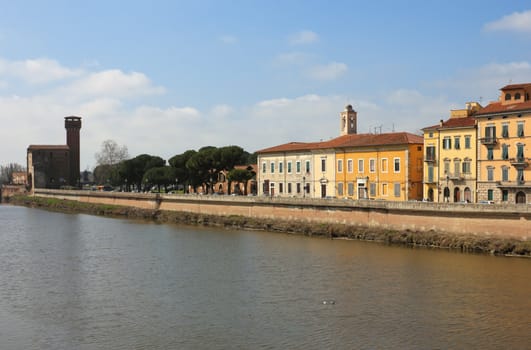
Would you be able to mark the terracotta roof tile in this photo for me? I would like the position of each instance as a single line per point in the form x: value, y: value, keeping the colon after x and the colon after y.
x: 355, y: 140
x: 516, y: 86
x: 453, y: 123
x: 497, y: 107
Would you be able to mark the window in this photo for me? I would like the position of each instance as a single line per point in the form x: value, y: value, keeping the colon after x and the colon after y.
x: 507, y: 97
x: 490, y: 133
x: 430, y: 153
x: 447, y: 143
x: 490, y: 195
x: 457, y: 142
x: 281, y: 167
x: 517, y: 96
x: 505, y: 195
x: 307, y: 166
x: 457, y: 167
x: 264, y: 166
x: 280, y: 187
x: 298, y: 167
x: 289, y: 187
x: 298, y: 187
x: 360, y: 165
x: 430, y: 134
x: 372, y: 189
x: 430, y: 173
x: 384, y: 189
x: 447, y: 166
x: 520, y: 130
x: 490, y: 154
x: 490, y: 174
x: 350, y: 166
x: 505, y: 173
x: 397, y: 165
x: 289, y: 167
x: 384, y: 165
x: 520, y: 176
x: 323, y: 164
x: 505, y: 152
x: 467, y: 142
x: 505, y: 130
x: 340, y: 189
x: 397, y: 189
x: 350, y: 189
x: 372, y: 165
x: 466, y: 166
x: 519, y: 152
x: 340, y: 165
x: 272, y: 167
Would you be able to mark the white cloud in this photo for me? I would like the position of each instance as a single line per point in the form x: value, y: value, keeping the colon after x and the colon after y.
x: 329, y: 71
x: 228, y: 39
x: 221, y: 111
x: 113, y: 83
x: 303, y: 37
x: 37, y: 71
x: 516, y: 22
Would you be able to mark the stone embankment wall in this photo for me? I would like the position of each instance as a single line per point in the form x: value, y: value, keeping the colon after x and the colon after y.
x: 509, y: 221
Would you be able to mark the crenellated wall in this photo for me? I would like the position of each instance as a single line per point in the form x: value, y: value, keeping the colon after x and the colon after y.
x: 497, y: 220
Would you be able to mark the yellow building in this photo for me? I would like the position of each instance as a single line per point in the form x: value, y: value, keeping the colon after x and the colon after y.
x: 504, y: 147
x: 379, y: 166
x: 450, y: 157
x: 357, y: 166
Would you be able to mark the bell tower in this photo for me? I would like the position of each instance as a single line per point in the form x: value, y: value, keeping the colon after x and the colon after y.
x: 349, y: 121
x: 72, y: 126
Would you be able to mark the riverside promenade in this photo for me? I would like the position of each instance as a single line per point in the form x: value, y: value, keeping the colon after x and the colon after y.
x: 503, y: 221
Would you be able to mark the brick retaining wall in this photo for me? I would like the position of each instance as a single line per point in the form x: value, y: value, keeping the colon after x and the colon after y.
x: 509, y: 220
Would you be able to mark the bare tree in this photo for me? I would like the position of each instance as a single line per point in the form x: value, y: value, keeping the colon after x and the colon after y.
x: 111, y: 153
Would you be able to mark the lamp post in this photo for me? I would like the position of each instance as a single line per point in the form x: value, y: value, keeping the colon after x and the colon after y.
x: 304, y: 187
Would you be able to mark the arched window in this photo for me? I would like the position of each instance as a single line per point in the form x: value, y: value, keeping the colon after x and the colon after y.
x: 520, y: 198
x: 517, y: 96
x: 507, y: 97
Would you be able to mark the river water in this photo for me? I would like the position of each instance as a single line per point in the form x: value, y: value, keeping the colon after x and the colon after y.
x: 70, y: 281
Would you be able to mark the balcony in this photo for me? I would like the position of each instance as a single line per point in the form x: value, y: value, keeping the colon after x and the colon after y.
x: 455, y: 176
x: 488, y: 140
x: 519, y: 162
x: 430, y: 158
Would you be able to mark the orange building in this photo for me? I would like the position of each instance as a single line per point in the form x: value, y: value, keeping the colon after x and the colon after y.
x: 379, y: 166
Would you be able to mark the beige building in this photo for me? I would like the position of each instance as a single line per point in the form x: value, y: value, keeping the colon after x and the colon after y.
x: 450, y: 157
x: 504, y: 147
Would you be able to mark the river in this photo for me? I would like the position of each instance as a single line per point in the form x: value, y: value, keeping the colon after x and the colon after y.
x: 73, y: 281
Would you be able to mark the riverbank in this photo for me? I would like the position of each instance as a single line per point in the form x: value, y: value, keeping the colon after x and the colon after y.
x: 432, y: 239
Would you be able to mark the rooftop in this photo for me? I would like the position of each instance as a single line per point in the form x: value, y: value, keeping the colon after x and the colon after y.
x: 353, y: 140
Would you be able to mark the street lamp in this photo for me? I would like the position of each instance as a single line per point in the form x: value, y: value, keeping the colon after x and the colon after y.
x: 304, y: 187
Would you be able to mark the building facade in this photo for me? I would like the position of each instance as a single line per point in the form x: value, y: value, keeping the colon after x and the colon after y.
x: 355, y: 166
x: 55, y: 166
x: 450, y: 157
x: 504, y: 147
x: 380, y: 166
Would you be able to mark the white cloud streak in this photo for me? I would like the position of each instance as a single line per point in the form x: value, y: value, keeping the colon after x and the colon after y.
x: 330, y: 71
x: 303, y: 37
x: 37, y: 71
x: 515, y: 22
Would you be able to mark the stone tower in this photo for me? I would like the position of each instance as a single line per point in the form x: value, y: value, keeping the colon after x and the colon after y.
x: 73, y: 125
x: 349, y: 121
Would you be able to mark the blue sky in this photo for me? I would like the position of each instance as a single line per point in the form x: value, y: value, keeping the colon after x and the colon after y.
x: 161, y: 77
